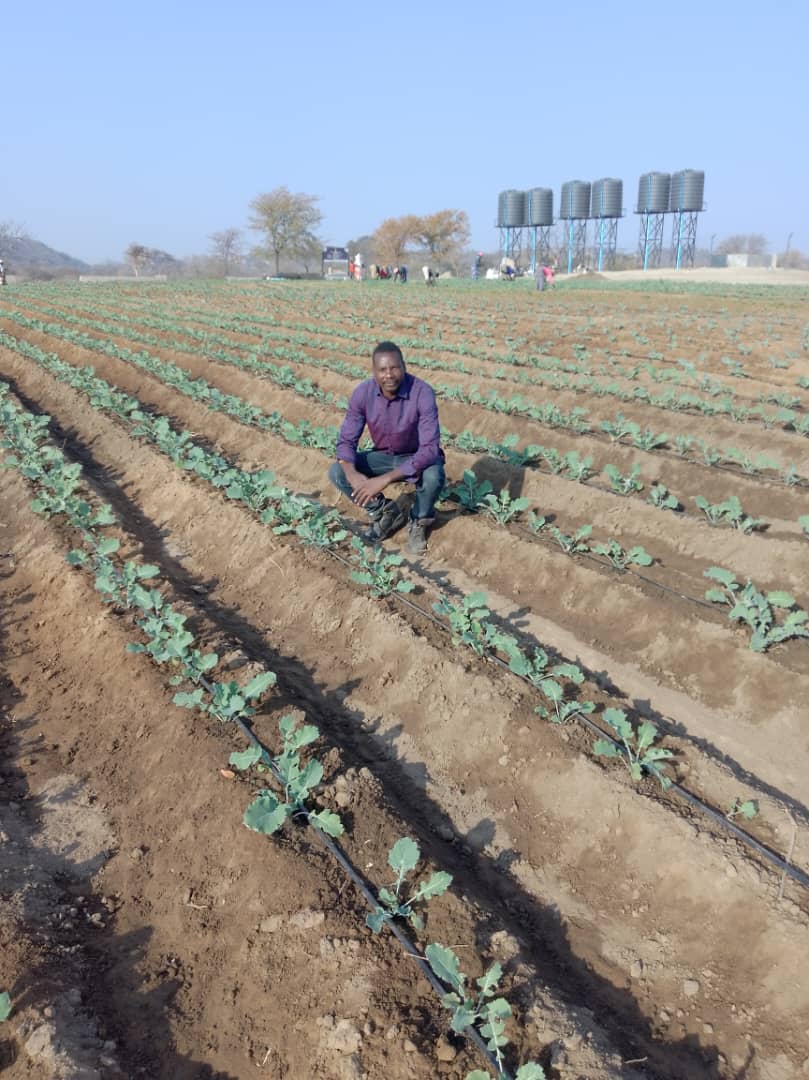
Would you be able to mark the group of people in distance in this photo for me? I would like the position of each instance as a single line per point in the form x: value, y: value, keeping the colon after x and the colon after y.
x: 401, y: 415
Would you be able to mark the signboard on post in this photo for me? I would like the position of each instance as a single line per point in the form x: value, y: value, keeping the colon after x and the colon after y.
x: 335, y: 263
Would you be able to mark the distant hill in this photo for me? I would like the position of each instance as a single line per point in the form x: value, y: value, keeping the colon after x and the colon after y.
x: 25, y: 253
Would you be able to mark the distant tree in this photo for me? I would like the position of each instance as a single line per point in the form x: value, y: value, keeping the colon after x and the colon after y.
x: 310, y: 255
x: 444, y: 234
x: 160, y: 262
x: 137, y: 255
x: 793, y: 260
x: 391, y: 238
x: 365, y: 245
x: 743, y: 243
x: 288, y: 221
x: 11, y: 235
x: 226, y: 247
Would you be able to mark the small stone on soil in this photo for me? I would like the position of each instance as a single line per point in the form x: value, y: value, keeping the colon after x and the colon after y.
x: 444, y: 1051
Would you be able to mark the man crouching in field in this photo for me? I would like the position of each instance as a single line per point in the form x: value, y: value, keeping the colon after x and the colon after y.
x: 402, y: 418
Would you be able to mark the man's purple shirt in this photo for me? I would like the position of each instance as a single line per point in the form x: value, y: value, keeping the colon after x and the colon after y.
x: 406, y: 424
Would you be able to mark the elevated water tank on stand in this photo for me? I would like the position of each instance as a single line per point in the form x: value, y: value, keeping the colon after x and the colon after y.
x: 574, y: 207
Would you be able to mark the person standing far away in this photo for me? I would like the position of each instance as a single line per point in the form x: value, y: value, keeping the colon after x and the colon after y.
x: 401, y: 415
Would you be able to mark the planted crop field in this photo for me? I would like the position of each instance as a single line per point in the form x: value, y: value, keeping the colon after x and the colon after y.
x: 277, y: 803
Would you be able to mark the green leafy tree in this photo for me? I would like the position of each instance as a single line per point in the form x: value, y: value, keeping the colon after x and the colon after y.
x: 289, y: 222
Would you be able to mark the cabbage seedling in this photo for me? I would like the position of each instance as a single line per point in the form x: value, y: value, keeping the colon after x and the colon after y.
x: 748, y: 605
x: 573, y: 545
x: 403, y: 857
x: 267, y: 813
x: 660, y: 496
x: 502, y: 508
x: 747, y: 809
x: 624, y: 484
x: 470, y: 493
x: 379, y: 570
x: 638, y: 753
x: 620, y: 558
x: 470, y: 1009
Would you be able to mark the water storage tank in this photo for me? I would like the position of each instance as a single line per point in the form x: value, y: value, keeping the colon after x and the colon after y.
x: 575, y: 200
x: 513, y: 209
x: 653, y: 193
x: 540, y: 206
x: 687, y: 189
x: 607, y: 198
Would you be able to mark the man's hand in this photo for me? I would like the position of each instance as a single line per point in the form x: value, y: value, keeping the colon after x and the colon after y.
x: 365, y: 488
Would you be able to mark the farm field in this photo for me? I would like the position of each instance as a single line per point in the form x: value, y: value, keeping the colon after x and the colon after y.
x: 645, y: 566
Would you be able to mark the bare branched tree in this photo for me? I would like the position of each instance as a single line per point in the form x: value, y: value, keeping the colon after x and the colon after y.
x: 137, y: 255
x: 288, y: 221
x: 12, y: 233
x: 226, y: 247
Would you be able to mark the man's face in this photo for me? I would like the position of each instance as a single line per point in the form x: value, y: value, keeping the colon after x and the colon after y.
x: 389, y: 372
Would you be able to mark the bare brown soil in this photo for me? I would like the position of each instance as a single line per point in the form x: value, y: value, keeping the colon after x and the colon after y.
x: 607, y: 901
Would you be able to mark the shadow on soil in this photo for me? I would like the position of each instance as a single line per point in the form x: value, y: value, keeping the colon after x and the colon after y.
x: 641, y: 708
x: 74, y: 986
x: 501, y: 900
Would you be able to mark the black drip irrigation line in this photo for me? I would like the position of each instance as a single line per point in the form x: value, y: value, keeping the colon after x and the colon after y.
x: 353, y: 874
x: 773, y: 857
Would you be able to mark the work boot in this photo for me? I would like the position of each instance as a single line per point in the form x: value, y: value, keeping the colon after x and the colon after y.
x: 385, y: 520
x: 417, y: 535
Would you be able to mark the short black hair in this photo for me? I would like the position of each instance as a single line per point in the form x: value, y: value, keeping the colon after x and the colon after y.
x: 387, y: 347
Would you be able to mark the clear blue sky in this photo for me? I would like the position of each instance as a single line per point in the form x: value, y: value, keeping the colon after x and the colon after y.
x: 159, y: 122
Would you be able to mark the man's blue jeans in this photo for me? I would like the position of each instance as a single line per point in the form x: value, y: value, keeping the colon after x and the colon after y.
x: 377, y: 462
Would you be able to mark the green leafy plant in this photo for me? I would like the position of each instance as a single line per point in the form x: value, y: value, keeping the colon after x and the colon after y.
x: 5, y: 1005
x: 803, y: 521
x: 470, y: 625
x: 624, y: 484
x: 575, y: 544
x: 379, y: 569
x: 502, y: 508
x: 536, y: 522
x: 537, y: 670
x: 267, y: 813
x: 481, y: 1008
x: 620, y: 558
x: 403, y: 858
x: 469, y: 492
x: 228, y: 699
x: 729, y: 511
x: 757, y: 609
x: 747, y: 808
x: 649, y: 440
x: 660, y: 496
x: 637, y: 750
